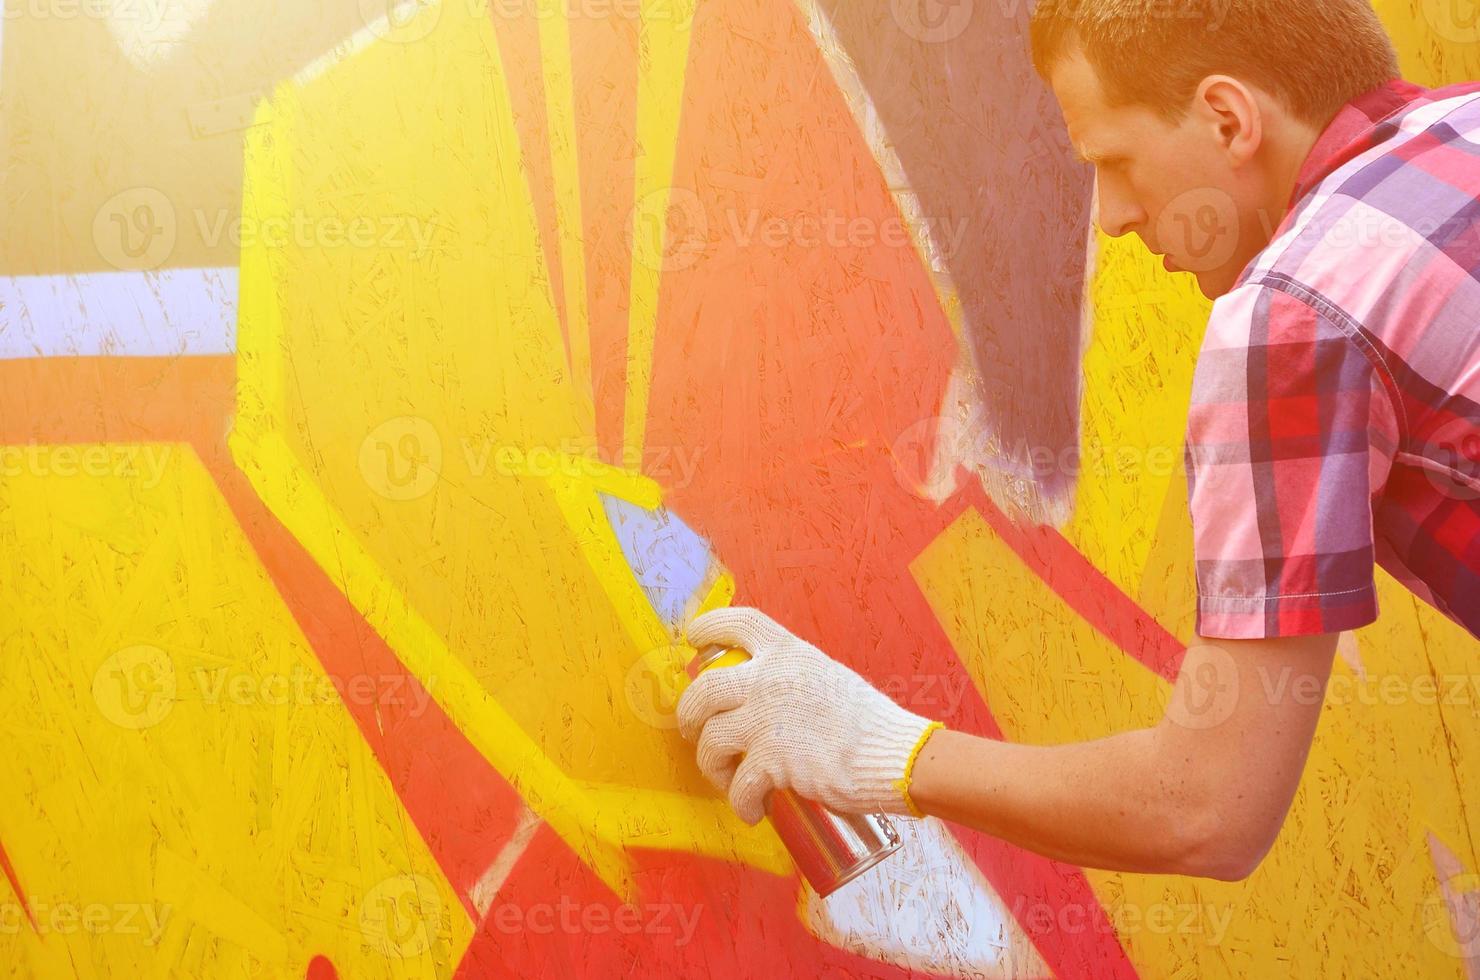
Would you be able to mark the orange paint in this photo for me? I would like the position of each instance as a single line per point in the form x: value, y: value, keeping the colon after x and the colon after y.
x: 116, y: 399
x: 604, y: 58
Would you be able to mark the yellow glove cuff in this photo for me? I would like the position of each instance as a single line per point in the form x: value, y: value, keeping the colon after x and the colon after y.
x: 909, y: 768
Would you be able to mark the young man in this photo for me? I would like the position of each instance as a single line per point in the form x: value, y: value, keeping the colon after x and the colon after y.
x: 1334, y: 214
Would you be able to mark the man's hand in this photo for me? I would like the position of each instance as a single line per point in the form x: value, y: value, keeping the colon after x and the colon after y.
x: 792, y: 718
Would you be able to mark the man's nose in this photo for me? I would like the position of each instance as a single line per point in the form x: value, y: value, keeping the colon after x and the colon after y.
x: 1117, y: 215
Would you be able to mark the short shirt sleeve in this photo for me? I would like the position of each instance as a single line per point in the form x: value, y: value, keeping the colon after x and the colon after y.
x: 1290, y: 434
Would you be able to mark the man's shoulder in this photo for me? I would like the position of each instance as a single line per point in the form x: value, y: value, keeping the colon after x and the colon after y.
x: 1432, y: 146
x: 1272, y: 311
x: 1398, y: 220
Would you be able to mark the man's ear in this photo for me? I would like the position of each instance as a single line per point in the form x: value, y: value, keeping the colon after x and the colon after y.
x: 1231, y: 109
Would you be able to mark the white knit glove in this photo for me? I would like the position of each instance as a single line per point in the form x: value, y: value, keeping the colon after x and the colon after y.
x: 793, y: 718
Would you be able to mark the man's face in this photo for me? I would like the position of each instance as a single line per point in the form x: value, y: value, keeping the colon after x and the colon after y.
x: 1170, y: 183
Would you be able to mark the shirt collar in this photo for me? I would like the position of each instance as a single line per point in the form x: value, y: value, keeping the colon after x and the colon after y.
x: 1348, y: 134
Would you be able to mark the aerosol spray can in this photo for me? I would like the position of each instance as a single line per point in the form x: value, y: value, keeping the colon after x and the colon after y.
x: 831, y: 849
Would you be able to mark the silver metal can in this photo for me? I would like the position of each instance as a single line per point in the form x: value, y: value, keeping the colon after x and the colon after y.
x: 830, y: 849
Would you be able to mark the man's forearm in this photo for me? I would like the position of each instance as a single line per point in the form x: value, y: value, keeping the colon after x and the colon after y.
x: 1203, y: 793
x: 1118, y: 803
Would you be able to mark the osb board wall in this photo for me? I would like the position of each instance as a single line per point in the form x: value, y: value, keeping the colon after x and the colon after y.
x: 380, y: 384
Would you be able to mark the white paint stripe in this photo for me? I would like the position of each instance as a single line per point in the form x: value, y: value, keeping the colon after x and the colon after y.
x: 929, y: 909
x: 151, y: 33
x: 502, y: 866
x: 395, y: 24
x: 121, y: 314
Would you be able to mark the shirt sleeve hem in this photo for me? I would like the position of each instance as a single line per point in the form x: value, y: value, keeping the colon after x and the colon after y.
x: 1272, y: 617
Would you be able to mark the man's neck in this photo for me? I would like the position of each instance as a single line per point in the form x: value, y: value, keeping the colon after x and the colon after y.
x: 1288, y: 151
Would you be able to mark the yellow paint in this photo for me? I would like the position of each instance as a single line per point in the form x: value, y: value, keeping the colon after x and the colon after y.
x: 683, y: 822
x: 1439, y: 742
x: 580, y: 505
x: 1350, y: 863
x: 663, y: 51
x: 175, y: 750
x: 1137, y: 379
x: 410, y: 409
x: 555, y: 53
x: 410, y: 418
x: 1438, y: 41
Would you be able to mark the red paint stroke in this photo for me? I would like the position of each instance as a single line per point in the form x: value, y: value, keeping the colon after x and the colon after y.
x: 15, y: 886
x: 604, y: 56
x: 465, y: 811
x: 694, y: 917
x: 321, y: 968
x: 789, y: 367
x: 1084, y: 588
x: 462, y: 808
x: 861, y: 603
x: 979, y: 138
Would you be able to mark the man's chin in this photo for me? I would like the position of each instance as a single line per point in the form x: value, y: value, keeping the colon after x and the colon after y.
x: 1214, y: 285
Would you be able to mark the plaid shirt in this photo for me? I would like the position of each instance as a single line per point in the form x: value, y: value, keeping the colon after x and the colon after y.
x: 1335, y: 420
